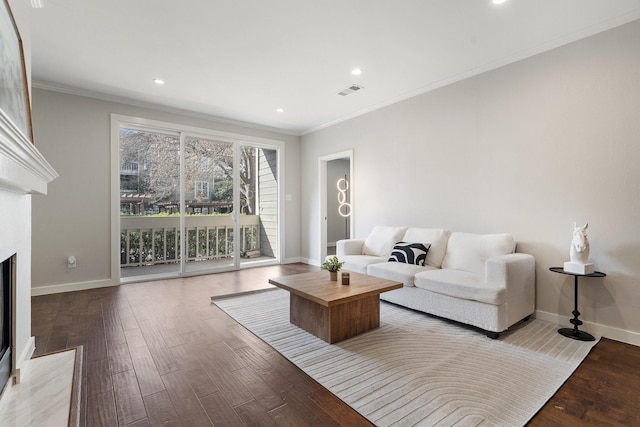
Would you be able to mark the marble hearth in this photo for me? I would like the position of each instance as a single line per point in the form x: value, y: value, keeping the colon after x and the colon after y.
x: 49, y: 393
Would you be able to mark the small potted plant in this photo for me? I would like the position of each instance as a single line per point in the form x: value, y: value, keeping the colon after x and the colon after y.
x: 332, y: 265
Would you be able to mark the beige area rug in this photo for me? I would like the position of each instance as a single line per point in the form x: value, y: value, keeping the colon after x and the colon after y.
x: 420, y: 370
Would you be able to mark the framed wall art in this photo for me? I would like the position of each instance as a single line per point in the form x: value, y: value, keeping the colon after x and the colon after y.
x: 15, y: 111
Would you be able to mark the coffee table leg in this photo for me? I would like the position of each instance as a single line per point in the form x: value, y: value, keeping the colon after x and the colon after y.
x: 355, y: 317
x: 336, y: 323
x: 310, y: 316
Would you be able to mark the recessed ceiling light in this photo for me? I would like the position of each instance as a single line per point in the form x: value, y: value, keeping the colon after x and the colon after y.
x: 158, y: 81
x: 280, y: 110
x: 36, y: 4
x: 356, y: 71
x: 499, y: 1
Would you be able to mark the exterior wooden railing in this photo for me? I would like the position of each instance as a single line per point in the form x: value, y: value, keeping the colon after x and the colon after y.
x: 150, y: 240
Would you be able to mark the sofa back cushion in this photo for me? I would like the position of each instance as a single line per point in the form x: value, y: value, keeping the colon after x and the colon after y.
x: 381, y: 240
x: 468, y: 252
x: 437, y: 237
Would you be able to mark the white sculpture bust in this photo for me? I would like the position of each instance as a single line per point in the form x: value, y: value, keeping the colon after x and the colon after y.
x: 579, y: 252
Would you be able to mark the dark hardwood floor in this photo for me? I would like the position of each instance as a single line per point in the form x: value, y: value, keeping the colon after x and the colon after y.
x: 160, y: 354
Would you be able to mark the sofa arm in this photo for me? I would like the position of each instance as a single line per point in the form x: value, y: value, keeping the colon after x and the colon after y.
x: 517, y: 273
x: 512, y: 270
x: 349, y: 247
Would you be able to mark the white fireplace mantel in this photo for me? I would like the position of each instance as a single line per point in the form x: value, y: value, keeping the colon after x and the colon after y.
x: 23, y: 171
x: 22, y: 168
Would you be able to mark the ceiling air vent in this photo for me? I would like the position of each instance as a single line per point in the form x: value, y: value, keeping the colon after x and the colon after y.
x: 350, y: 89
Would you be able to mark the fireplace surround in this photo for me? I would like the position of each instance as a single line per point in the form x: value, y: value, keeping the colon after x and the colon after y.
x: 23, y: 172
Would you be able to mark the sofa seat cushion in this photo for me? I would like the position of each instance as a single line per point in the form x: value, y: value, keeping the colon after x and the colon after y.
x: 397, y: 271
x: 381, y: 240
x: 359, y: 263
x: 461, y: 284
x: 469, y: 252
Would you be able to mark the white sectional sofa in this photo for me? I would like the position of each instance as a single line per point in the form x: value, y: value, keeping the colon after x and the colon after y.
x: 475, y: 279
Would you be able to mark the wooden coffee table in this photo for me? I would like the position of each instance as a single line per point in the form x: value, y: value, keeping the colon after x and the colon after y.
x: 332, y: 311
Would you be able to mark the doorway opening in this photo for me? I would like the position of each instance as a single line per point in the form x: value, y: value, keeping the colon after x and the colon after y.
x: 336, y: 193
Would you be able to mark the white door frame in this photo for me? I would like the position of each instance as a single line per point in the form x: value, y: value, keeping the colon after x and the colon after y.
x: 322, y: 168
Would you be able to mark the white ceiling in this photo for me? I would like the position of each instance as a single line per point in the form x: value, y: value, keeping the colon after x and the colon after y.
x: 240, y: 60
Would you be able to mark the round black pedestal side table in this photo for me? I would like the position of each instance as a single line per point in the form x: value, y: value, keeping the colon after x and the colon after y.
x: 574, y: 333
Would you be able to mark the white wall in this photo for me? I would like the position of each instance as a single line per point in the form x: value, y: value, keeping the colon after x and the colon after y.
x: 526, y: 149
x: 73, y: 132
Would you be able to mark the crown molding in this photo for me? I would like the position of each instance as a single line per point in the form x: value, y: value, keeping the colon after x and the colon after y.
x: 510, y: 59
x: 69, y: 90
x: 473, y: 71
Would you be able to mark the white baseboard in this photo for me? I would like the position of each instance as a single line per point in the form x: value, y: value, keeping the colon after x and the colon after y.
x: 610, y: 332
x: 302, y: 260
x: 70, y: 287
x: 310, y: 261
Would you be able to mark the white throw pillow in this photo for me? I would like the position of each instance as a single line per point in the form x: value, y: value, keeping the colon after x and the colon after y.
x: 437, y: 237
x: 469, y: 252
x: 381, y: 240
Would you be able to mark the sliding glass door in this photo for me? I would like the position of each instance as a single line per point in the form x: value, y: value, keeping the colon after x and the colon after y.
x: 258, y: 170
x: 149, y: 203
x: 209, y: 217
x: 195, y: 203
